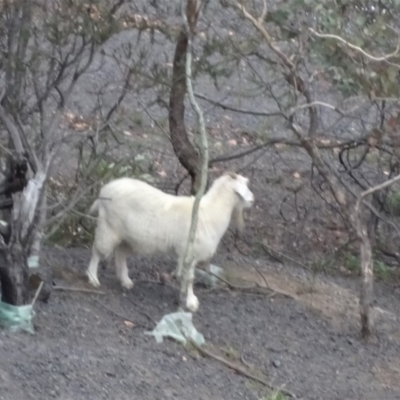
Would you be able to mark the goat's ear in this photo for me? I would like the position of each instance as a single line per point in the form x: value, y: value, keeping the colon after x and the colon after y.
x: 243, y: 190
x: 233, y: 175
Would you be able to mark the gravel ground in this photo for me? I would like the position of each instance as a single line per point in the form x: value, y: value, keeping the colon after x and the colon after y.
x: 82, y: 350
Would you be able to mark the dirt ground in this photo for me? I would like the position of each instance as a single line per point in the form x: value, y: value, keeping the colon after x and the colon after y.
x: 306, y: 341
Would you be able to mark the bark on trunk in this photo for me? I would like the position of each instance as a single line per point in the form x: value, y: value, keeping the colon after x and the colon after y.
x: 37, y: 234
x: 43, y: 272
x: 14, y: 270
x: 373, y: 222
x: 183, y: 148
x: 367, y: 271
x: 13, y: 267
x: 14, y: 275
x: 367, y: 278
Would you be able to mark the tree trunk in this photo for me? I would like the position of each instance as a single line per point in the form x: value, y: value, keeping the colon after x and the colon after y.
x: 187, y: 299
x: 14, y: 270
x: 373, y: 222
x: 183, y: 148
x: 14, y: 275
x: 37, y: 234
x: 39, y: 271
x: 353, y: 219
x: 367, y: 278
x: 13, y: 267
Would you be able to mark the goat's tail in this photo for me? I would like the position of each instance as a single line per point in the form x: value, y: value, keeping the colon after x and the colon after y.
x: 94, y: 207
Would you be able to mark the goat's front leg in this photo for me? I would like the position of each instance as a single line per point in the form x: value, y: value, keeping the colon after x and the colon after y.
x: 187, y: 298
x: 179, y: 269
x: 121, y: 253
x: 91, y: 272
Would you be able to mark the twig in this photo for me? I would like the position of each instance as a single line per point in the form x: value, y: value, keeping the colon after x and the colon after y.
x: 37, y: 293
x: 73, y: 289
x: 123, y: 317
x: 378, y: 187
x: 244, y: 362
x: 289, y: 113
x: 266, y: 247
x: 287, y: 62
x: 143, y: 313
x: 12, y: 130
x: 264, y: 12
x: 238, y: 110
x: 145, y: 109
x: 313, y: 104
x: 240, y: 370
x: 178, y: 185
x: 262, y: 275
x: 329, y: 144
x: 357, y: 48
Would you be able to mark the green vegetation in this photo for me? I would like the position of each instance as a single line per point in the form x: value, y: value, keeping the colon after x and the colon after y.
x: 276, y: 395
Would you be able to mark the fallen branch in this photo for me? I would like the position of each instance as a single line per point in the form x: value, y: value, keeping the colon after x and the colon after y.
x: 262, y: 275
x: 240, y: 370
x: 73, y: 289
x: 268, y: 249
x: 229, y: 284
x: 255, y: 289
x: 116, y: 314
x: 37, y: 293
x: 143, y: 313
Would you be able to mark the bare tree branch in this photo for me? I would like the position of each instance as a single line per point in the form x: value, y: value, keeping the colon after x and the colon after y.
x: 357, y: 48
x: 12, y: 130
x: 238, y: 110
x: 191, y: 14
x: 290, y: 74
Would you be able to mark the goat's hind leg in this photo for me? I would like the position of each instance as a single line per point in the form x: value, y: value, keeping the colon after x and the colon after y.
x: 104, y: 243
x: 121, y: 253
x: 91, y: 272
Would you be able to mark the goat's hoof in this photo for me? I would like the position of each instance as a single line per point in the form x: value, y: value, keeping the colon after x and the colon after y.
x: 192, y: 303
x: 93, y: 280
x: 127, y: 284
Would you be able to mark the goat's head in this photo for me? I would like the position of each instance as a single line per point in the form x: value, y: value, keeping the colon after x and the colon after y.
x: 244, y: 196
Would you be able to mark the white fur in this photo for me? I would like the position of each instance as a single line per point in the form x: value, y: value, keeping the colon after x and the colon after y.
x: 134, y: 217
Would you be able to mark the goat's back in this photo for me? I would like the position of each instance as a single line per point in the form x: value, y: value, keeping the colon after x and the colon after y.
x: 144, y: 216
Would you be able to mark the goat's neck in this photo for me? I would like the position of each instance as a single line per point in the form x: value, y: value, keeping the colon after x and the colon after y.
x: 219, y: 207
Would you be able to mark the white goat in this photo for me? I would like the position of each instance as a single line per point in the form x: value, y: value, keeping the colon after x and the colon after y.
x: 134, y: 217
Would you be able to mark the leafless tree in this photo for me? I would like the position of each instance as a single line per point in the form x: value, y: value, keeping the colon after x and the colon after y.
x: 46, y: 49
x: 302, y: 116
